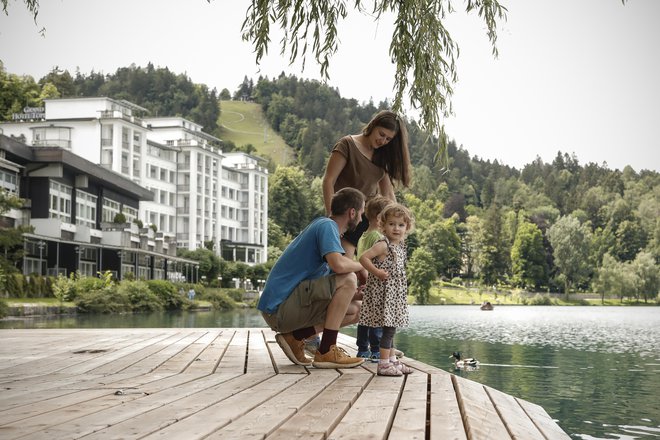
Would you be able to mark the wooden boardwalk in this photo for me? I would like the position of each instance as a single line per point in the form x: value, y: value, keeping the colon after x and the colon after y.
x: 233, y: 384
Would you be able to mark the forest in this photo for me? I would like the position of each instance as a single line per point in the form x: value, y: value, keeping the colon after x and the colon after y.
x: 561, y: 226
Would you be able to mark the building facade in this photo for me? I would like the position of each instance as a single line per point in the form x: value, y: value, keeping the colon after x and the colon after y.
x: 68, y: 202
x: 200, y: 197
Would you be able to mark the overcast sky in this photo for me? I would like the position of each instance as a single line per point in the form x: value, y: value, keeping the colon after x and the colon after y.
x: 580, y: 76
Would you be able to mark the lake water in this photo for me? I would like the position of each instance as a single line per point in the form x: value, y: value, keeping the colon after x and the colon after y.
x: 596, y: 370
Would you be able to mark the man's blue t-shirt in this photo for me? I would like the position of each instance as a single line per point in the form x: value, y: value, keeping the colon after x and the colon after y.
x: 302, y: 260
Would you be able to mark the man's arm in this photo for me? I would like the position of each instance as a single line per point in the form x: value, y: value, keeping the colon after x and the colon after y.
x: 341, y: 264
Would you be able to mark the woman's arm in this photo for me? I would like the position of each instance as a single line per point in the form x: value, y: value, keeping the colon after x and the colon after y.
x: 386, y: 188
x: 377, y: 250
x: 336, y: 163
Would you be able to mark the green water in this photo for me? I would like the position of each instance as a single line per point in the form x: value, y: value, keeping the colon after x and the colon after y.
x: 596, y: 370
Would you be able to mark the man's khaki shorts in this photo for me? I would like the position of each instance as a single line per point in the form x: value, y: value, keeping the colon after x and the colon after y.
x: 305, y: 307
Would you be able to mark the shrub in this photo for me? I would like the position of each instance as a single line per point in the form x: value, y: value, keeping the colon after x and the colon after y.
x: 15, y: 285
x: 4, y: 308
x: 141, y: 298
x: 168, y: 294
x: 540, y: 300
x: 64, y: 288
x: 106, y: 300
x: 220, y: 301
x: 234, y: 294
x: 85, y: 284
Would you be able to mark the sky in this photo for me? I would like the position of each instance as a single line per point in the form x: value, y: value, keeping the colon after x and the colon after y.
x: 580, y: 77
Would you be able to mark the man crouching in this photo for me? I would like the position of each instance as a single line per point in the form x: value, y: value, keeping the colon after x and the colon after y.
x: 312, y: 286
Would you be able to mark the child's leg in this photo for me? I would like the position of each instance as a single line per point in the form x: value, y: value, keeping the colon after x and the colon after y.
x: 375, y: 334
x: 385, y: 367
x: 386, y: 342
x: 362, y: 340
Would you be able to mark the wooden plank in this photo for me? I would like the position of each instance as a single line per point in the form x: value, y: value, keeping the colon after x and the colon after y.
x: 208, y: 359
x: 147, y: 422
x: 214, y: 417
x: 166, y: 353
x: 481, y: 420
x: 113, y: 410
x: 135, y: 353
x: 258, y: 357
x: 445, y: 421
x: 267, y: 417
x: 181, y: 360
x: 281, y: 363
x: 543, y: 421
x: 235, y: 356
x: 410, y: 419
x: 316, y: 419
x: 372, y: 414
x: 517, y: 422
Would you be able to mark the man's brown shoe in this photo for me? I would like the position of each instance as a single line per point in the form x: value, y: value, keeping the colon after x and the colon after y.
x: 336, y: 358
x: 293, y: 349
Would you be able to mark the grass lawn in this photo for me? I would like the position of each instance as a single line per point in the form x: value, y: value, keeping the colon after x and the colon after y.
x: 243, y: 123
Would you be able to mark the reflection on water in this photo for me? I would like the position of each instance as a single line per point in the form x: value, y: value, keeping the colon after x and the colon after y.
x: 596, y: 370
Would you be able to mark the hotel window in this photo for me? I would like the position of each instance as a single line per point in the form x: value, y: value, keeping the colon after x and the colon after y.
x: 8, y: 181
x: 85, y: 209
x: 125, y: 136
x: 130, y: 213
x: 110, y: 210
x: 60, y: 201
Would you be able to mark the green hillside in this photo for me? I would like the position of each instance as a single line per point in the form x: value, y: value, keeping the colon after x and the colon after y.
x: 243, y: 123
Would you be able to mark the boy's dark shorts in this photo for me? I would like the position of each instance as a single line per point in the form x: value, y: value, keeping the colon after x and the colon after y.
x: 305, y: 307
x: 354, y: 236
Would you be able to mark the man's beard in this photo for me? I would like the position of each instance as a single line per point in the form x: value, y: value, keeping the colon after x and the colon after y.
x: 353, y: 223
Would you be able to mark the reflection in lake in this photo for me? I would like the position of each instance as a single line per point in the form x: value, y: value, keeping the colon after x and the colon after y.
x: 596, y: 370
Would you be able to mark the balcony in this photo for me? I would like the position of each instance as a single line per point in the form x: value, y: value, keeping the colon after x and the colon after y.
x: 119, y: 115
x: 62, y: 143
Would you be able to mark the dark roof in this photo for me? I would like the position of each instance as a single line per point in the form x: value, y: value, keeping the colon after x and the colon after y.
x: 95, y: 173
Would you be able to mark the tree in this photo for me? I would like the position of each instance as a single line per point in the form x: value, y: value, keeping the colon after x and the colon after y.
x: 421, y: 274
x: 494, y: 253
x: 614, y: 278
x: 444, y: 244
x: 528, y: 262
x: 422, y: 49
x: 290, y: 201
x: 648, y: 275
x: 571, y: 243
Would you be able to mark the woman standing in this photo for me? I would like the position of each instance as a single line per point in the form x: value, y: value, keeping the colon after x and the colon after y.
x: 372, y: 162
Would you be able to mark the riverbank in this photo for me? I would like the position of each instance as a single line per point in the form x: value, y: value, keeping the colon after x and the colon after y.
x: 28, y: 307
x: 451, y: 295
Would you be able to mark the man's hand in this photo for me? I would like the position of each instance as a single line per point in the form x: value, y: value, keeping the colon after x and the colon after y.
x: 359, y: 293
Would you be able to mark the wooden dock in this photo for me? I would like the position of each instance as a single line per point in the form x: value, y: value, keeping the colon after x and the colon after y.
x: 233, y: 384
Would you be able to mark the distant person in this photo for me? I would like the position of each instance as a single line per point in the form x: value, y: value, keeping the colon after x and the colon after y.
x: 312, y: 287
x: 368, y: 338
x: 385, y: 302
x: 371, y: 162
x: 191, y: 294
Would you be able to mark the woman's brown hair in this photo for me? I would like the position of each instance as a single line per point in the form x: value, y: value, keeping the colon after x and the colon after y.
x: 393, y: 157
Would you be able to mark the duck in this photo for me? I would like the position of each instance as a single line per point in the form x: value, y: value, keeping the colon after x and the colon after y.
x: 463, y: 363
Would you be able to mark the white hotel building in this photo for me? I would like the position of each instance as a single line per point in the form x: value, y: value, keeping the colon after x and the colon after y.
x: 202, y: 196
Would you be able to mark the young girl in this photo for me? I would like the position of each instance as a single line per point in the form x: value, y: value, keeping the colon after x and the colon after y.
x: 385, y: 295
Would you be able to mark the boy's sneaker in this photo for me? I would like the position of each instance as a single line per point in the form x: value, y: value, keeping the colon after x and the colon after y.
x: 375, y: 356
x: 312, y: 345
x: 293, y: 348
x: 364, y: 354
x: 336, y: 358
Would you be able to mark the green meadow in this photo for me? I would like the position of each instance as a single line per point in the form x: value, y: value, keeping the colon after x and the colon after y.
x: 244, y: 123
